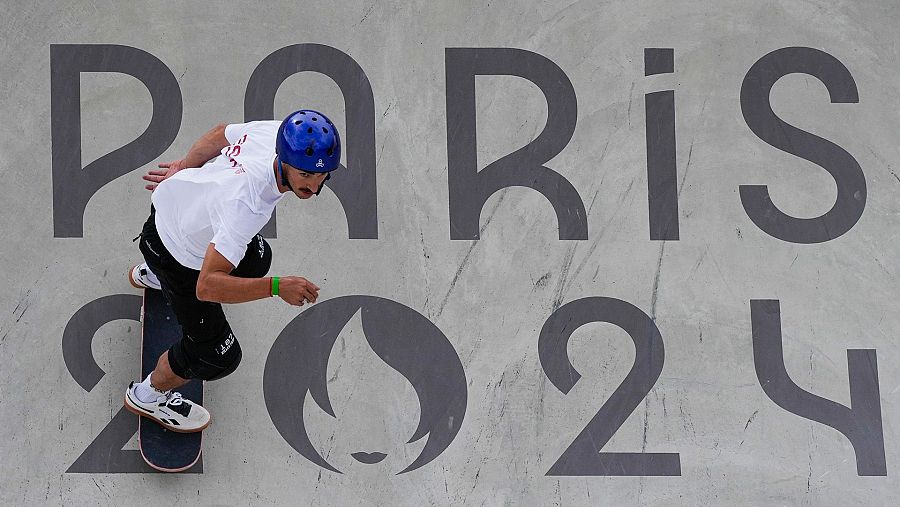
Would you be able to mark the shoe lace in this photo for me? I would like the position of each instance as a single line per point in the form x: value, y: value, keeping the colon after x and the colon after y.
x: 174, y: 398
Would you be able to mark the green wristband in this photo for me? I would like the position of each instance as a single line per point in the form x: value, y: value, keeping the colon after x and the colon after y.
x: 274, y: 285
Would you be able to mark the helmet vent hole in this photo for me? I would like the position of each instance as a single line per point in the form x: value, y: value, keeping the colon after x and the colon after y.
x: 303, y: 113
x: 324, y: 130
x: 315, y: 119
x: 309, y: 151
x: 309, y: 130
x: 296, y: 122
x: 330, y: 151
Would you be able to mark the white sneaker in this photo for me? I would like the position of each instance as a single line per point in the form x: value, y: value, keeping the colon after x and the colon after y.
x: 170, y: 410
x: 141, y: 277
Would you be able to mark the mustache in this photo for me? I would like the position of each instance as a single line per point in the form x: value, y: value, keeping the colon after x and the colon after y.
x: 314, y: 192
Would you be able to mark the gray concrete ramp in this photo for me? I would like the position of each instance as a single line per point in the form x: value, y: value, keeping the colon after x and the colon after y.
x: 580, y: 253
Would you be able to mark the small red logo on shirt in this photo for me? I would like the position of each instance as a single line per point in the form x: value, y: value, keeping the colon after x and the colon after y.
x: 235, y: 150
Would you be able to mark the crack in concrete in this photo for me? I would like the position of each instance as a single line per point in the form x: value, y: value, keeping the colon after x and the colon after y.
x: 465, y: 260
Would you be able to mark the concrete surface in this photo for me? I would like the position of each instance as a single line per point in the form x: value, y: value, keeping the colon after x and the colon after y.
x: 490, y: 298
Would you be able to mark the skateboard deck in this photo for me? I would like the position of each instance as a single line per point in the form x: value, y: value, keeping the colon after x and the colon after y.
x: 163, y: 449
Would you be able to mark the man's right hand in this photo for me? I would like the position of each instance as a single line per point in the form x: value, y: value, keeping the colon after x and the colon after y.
x: 297, y: 290
x: 202, y: 151
x: 157, y: 176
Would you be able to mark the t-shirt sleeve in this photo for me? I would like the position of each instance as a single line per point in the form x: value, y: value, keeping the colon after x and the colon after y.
x: 234, y: 131
x: 234, y: 225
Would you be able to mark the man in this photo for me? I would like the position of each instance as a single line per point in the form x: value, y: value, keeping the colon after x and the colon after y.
x: 202, y: 246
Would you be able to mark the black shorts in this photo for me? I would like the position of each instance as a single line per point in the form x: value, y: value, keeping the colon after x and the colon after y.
x: 208, y: 349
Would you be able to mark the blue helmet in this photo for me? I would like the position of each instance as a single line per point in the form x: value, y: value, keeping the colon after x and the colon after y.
x: 308, y: 141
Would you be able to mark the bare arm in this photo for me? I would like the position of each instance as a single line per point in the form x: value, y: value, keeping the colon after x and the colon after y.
x: 202, y: 151
x: 216, y: 284
x: 207, y: 147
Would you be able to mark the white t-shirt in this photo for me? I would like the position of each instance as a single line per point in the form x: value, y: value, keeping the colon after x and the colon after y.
x: 225, y: 202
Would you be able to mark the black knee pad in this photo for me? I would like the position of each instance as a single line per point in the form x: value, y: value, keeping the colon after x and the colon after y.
x: 210, y: 360
x: 228, y: 370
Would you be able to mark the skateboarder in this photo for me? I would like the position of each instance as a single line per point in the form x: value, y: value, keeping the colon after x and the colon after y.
x: 202, y: 247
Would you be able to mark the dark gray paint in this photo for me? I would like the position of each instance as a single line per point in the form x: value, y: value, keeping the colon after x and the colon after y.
x: 861, y: 423
x: 355, y: 184
x: 369, y: 458
x: 400, y: 336
x: 469, y: 187
x: 104, y: 454
x: 847, y: 174
x: 583, y: 456
x: 659, y: 61
x: 72, y: 185
x: 80, y: 331
x: 662, y: 172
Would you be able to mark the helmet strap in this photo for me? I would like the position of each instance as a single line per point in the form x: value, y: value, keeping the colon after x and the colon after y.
x: 284, y: 180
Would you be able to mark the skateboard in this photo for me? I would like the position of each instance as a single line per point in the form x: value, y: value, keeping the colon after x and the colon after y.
x: 163, y: 449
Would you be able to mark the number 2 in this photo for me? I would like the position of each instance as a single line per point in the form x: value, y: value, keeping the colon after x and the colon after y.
x: 583, y: 456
